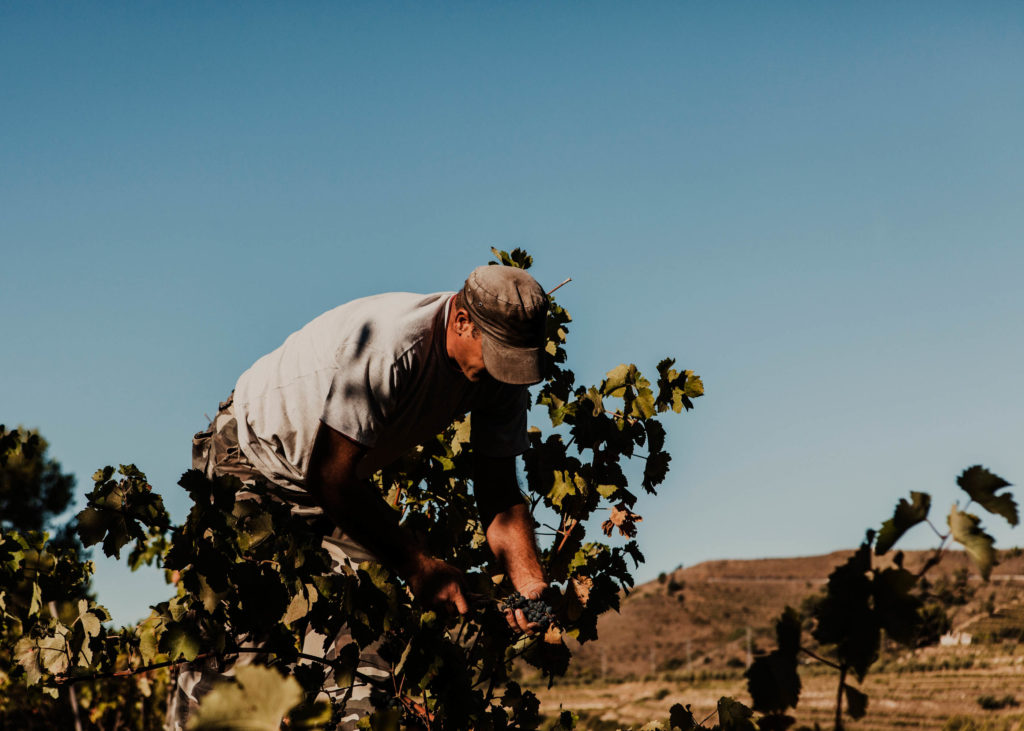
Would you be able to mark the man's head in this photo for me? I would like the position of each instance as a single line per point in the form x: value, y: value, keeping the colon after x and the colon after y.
x: 497, y: 325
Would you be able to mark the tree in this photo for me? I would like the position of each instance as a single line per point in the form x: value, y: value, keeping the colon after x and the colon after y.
x: 33, y: 488
x: 33, y: 493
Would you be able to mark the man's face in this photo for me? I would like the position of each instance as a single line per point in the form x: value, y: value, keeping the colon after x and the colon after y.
x: 465, y: 347
x: 470, y: 356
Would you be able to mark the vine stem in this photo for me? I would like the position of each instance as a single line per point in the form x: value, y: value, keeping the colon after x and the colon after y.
x: 128, y: 672
x: 426, y: 709
x: 839, y: 699
x: 570, y: 526
x: 617, y: 415
x: 558, y: 287
x: 942, y: 537
x: 821, y: 659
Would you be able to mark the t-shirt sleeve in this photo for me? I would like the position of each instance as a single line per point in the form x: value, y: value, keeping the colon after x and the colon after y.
x: 498, y: 428
x: 362, y: 395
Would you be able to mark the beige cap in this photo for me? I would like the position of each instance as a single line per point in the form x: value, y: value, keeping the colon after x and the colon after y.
x: 509, y: 308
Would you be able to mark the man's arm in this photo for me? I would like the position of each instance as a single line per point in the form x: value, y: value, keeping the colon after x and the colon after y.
x: 358, y: 508
x: 508, y: 526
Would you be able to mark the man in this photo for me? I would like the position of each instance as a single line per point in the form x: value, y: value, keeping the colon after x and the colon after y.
x: 358, y: 387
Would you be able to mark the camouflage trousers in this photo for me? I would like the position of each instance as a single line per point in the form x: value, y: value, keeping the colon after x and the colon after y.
x: 216, y: 452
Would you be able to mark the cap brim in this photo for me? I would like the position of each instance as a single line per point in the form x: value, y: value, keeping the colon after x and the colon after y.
x: 508, y: 364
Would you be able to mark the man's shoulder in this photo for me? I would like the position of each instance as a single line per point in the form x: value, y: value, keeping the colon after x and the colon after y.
x: 389, y: 322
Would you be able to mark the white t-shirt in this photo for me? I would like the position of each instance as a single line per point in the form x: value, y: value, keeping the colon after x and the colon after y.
x: 375, y: 369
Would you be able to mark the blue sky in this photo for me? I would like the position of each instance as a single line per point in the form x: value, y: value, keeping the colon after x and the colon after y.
x: 817, y: 207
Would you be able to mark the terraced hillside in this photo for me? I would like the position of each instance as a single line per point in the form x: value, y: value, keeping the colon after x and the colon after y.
x: 698, y: 618
x: 685, y: 638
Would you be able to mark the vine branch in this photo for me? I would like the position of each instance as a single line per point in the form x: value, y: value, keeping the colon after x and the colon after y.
x: 821, y: 659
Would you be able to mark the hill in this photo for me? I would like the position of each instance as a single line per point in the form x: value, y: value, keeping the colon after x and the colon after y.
x: 709, y: 616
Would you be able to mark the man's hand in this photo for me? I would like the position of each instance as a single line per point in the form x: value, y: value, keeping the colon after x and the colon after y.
x: 517, y: 618
x: 437, y: 584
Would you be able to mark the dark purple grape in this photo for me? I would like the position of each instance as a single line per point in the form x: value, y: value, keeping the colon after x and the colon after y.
x: 536, y: 610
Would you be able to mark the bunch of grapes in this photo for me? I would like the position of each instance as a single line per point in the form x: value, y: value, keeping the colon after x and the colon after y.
x: 536, y: 610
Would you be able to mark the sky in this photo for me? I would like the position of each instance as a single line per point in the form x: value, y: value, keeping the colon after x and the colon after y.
x: 815, y: 206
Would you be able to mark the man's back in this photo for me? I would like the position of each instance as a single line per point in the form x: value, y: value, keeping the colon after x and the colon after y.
x: 374, y: 369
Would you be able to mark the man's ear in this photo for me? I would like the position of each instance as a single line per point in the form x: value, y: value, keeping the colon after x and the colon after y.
x: 463, y: 325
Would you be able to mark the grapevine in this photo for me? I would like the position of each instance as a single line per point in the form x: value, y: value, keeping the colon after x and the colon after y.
x: 241, y: 568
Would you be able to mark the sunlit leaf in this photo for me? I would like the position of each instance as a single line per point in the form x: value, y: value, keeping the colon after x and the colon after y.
x: 907, y: 515
x: 734, y: 716
x: 257, y: 700
x: 966, y: 530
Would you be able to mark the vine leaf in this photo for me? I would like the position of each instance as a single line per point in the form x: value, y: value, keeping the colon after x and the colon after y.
x: 49, y: 654
x: 582, y: 585
x: 257, y: 701
x: 682, y: 718
x: 563, y: 486
x: 897, y: 609
x: 773, y: 682
x: 622, y: 518
x: 734, y: 716
x: 517, y: 258
x: 116, y: 511
x: 179, y: 640
x: 907, y: 515
x: 982, y: 485
x: 772, y: 679
x: 91, y: 619
x: 856, y: 701
x: 845, y: 618
x: 148, y: 646
x: 655, y: 470
x: 967, y: 530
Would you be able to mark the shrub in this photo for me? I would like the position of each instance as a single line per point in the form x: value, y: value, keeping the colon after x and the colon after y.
x: 991, y: 703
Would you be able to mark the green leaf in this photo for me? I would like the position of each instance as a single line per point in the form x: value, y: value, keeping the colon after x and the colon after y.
x: 734, y: 716
x: 36, y: 603
x: 26, y: 653
x: 563, y: 486
x: 45, y: 654
x: 257, y: 700
x: 982, y: 485
x: 299, y: 606
x: 856, y: 701
x: 966, y: 529
x: 148, y: 646
x: 517, y: 258
x: 387, y: 720
x: 345, y: 665
x: 180, y: 640
x: 310, y: 716
x: 642, y: 407
x: 211, y: 599
x: 617, y: 379
x: 907, y: 515
x: 90, y: 623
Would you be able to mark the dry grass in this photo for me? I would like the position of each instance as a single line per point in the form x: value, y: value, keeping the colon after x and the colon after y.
x: 919, y: 691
